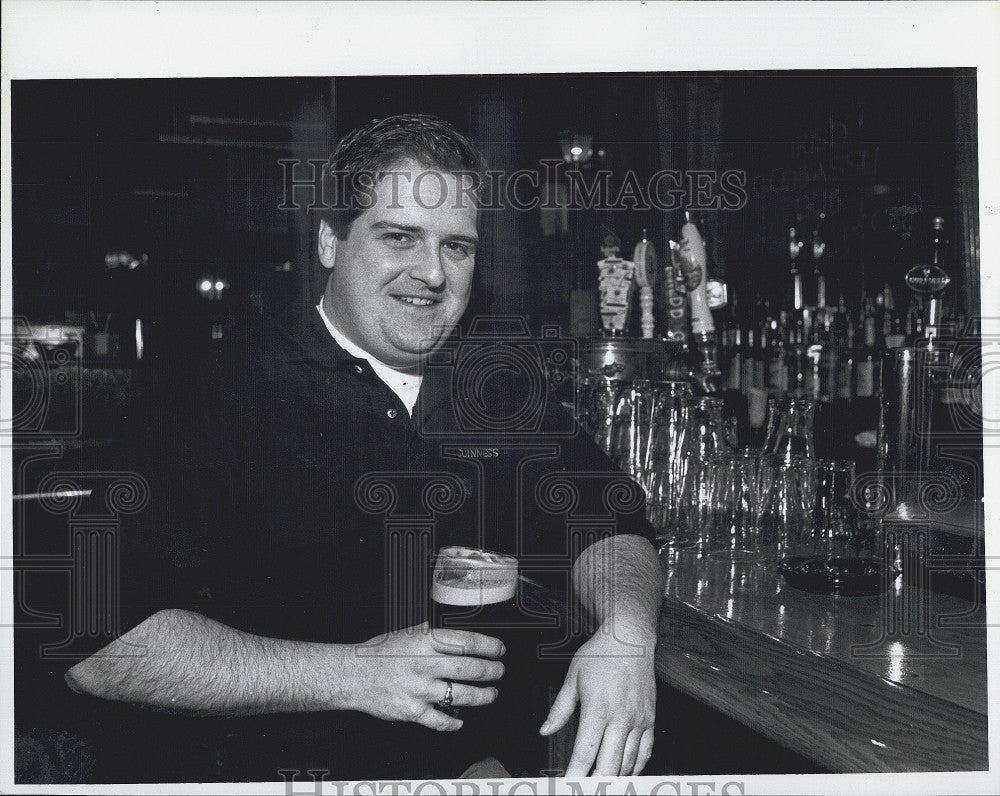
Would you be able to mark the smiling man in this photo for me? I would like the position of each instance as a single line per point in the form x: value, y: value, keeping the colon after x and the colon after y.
x: 401, y: 277
x: 274, y: 600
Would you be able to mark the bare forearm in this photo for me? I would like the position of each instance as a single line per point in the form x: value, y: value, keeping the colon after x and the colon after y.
x: 620, y: 581
x: 183, y: 661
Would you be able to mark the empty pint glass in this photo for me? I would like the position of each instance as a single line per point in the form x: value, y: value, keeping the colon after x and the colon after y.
x: 910, y: 378
x: 790, y: 428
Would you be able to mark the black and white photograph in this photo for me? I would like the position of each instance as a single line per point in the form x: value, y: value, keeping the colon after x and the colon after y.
x: 499, y: 398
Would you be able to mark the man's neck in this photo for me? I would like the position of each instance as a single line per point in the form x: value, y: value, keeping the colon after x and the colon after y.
x: 405, y: 383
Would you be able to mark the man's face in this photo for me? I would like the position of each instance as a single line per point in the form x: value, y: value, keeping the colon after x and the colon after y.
x: 402, y: 276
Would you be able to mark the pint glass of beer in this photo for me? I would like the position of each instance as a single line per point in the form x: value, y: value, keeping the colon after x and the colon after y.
x: 474, y: 590
x: 478, y: 590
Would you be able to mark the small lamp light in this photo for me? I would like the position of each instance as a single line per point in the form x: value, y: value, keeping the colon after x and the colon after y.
x: 576, y: 147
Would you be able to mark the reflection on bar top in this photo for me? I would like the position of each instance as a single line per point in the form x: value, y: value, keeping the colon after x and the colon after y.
x: 966, y: 518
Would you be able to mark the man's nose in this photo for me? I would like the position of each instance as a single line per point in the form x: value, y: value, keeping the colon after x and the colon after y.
x: 429, y: 268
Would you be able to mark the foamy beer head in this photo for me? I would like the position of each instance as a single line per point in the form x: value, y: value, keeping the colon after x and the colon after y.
x: 464, y: 576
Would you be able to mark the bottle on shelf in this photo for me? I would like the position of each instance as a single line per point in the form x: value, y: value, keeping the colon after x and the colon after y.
x: 746, y: 359
x: 813, y: 378
x: 796, y: 360
x: 845, y: 365
x: 828, y: 358
x: 730, y: 337
x: 895, y: 337
x: 760, y: 359
x: 819, y: 263
x: 866, y: 362
x: 735, y: 362
x: 777, y: 365
x: 793, y: 301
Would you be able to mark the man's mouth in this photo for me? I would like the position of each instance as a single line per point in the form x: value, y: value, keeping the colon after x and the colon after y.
x: 416, y: 301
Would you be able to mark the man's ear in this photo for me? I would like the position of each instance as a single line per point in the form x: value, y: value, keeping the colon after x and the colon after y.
x: 327, y: 247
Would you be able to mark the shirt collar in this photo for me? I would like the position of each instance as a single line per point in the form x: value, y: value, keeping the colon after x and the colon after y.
x: 405, y: 385
x: 312, y: 342
x: 309, y: 339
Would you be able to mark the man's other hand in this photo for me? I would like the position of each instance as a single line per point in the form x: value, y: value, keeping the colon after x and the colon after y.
x: 614, y: 682
x: 401, y: 676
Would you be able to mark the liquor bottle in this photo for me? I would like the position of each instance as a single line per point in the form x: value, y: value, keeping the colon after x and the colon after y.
x: 914, y: 329
x: 793, y: 300
x: 746, y: 360
x: 796, y: 361
x: 812, y: 381
x: 777, y: 366
x: 760, y: 359
x: 828, y: 358
x: 896, y: 336
x: 730, y: 337
x: 865, y: 363
x: 819, y: 263
x: 735, y: 353
x: 845, y: 365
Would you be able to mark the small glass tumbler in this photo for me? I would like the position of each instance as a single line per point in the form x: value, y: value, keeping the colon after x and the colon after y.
x: 597, y: 399
x: 632, y: 428
x: 707, y: 498
x: 665, y: 466
x: 704, y: 428
x: 667, y: 425
x: 790, y: 428
x: 737, y: 536
x: 784, y: 516
x: 834, y: 528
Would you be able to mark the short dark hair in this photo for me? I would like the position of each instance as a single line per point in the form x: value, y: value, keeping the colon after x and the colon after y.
x: 366, y: 154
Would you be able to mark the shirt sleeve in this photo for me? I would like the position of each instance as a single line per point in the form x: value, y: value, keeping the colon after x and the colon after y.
x: 579, y: 496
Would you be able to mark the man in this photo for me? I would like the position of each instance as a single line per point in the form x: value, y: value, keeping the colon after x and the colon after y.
x: 263, y: 597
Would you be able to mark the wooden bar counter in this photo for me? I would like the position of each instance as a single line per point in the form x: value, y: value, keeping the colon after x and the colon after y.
x: 889, y: 683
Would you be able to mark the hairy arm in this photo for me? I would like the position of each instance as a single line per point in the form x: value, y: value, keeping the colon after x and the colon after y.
x: 612, y: 676
x: 620, y: 581
x: 181, y: 661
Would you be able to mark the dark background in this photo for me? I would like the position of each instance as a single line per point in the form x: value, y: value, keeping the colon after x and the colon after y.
x: 186, y: 171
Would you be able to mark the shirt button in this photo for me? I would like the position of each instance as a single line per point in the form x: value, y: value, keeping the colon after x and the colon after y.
x: 392, y: 414
x: 358, y: 369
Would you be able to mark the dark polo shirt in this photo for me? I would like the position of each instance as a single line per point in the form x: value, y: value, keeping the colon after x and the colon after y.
x: 293, y: 496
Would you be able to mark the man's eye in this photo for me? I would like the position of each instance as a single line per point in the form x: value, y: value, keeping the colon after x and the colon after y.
x: 398, y: 238
x: 459, y: 249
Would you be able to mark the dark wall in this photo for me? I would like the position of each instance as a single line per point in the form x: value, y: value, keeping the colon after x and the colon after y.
x: 873, y: 151
x: 187, y: 171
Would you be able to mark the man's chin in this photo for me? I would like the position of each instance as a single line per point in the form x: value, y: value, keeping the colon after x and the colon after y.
x: 411, y: 355
x: 414, y: 348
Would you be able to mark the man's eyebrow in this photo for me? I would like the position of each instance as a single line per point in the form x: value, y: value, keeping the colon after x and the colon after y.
x: 401, y: 227
x: 472, y: 239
